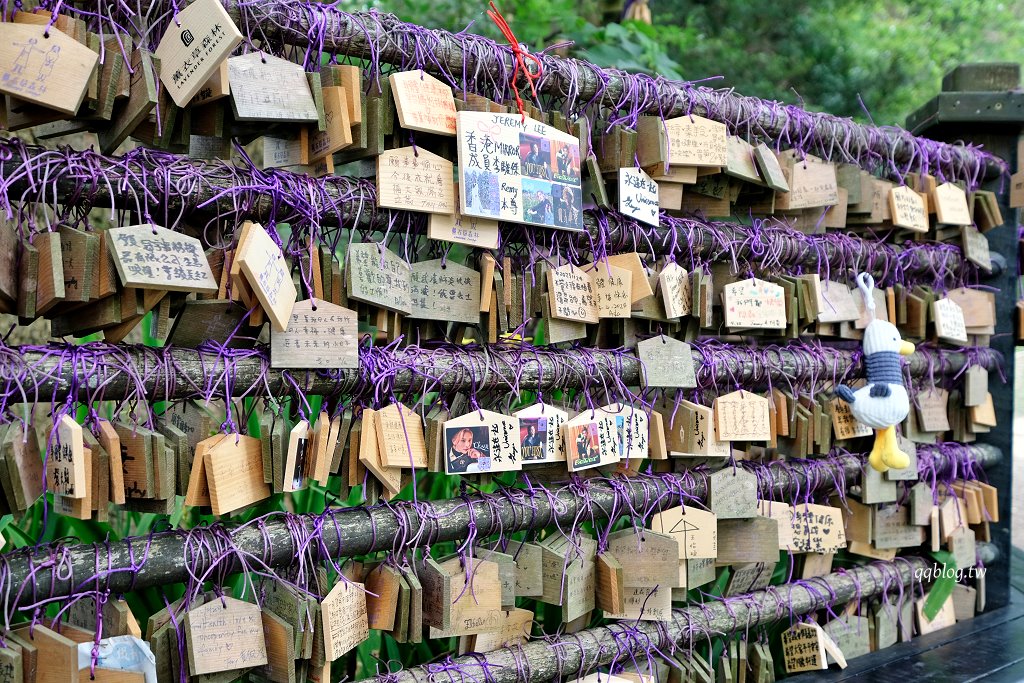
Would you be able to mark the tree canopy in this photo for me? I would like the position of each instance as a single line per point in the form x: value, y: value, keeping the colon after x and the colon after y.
x: 822, y: 54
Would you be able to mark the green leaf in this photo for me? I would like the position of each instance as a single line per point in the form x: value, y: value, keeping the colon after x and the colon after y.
x: 943, y: 586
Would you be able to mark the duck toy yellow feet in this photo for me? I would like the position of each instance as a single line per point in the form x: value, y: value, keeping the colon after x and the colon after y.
x: 882, y: 403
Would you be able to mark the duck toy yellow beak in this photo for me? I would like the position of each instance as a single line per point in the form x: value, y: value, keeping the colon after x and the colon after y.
x: 906, y: 348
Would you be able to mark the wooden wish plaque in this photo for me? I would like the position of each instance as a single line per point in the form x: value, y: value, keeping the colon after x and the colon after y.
x: 150, y: 257
x: 225, y: 634
x: 415, y: 180
x: 343, y: 611
x: 445, y: 291
x: 754, y: 303
x: 638, y: 195
x: 540, y: 433
x: 320, y: 335
x: 696, y: 141
x: 264, y: 266
x: 380, y: 277
x: 268, y: 88
x: 518, y: 170
x: 193, y: 47
x: 481, y: 441
x: 424, y: 103
x: 42, y: 65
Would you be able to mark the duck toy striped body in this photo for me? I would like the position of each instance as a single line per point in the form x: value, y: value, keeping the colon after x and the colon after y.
x: 883, y: 402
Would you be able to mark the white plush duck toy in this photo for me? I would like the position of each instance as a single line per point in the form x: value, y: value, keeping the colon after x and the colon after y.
x: 883, y: 402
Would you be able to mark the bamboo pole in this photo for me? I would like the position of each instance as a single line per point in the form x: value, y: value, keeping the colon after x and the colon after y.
x: 569, y: 657
x: 384, y: 39
x: 54, y: 572
x: 112, y: 372
x: 215, y: 196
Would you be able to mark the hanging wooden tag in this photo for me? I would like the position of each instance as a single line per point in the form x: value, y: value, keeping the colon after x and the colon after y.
x: 875, y: 488
x: 379, y: 276
x: 891, y: 528
x: 754, y: 303
x: 771, y: 170
x: 932, y: 415
x: 66, y: 461
x: 638, y: 196
x: 415, y: 180
x: 482, y: 441
x: 696, y: 141
x: 908, y: 210
x: 514, y: 630
x: 975, y: 386
x: 43, y: 65
x: 370, y: 454
x: 612, y: 287
x: 540, y: 433
x: 818, y: 529
x: 674, y: 290
x: 49, y: 280
x: 446, y: 291
x: 609, y: 587
x: 571, y: 294
x: 590, y: 440
x: 338, y: 133
x: 296, y: 462
x: 519, y: 170
x: 949, y: 321
x: 732, y: 493
x: 470, y: 230
x: 529, y: 570
x: 803, y: 648
x: 844, y: 424
x: 944, y: 619
x: 695, y: 530
x: 25, y: 465
x: 54, y: 656
x: 741, y: 163
x: 783, y: 514
x: 652, y: 558
x: 950, y: 204
x: 400, y: 437
x: 647, y: 603
x: 632, y: 430
x: 667, y: 363
x: 742, y: 416
x: 268, y: 88
x: 192, y: 48
x: 836, y: 303
x: 225, y: 634
x: 382, y: 591
x: 747, y: 540
x: 424, y: 103
x: 908, y: 473
x: 264, y: 266
x: 80, y: 507
x: 812, y: 182
x: 746, y: 578
x: 198, y: 491
x: 279, y: 639
x: 476, y: 607
x: 437, y: 594
x: 150, y: 257
x: 976, y: 247
x: 320, y: 335
x: 234, y: 473
x: 345, y: 621
x: 963, y: 546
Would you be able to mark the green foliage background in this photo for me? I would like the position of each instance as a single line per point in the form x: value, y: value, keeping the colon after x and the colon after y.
x: 821, y: 53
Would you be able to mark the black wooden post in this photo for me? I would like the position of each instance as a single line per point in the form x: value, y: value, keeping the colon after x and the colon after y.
x: 981, y: 104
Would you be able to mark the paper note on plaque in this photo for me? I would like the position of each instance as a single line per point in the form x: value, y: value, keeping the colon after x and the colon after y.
x: 521, y: 171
